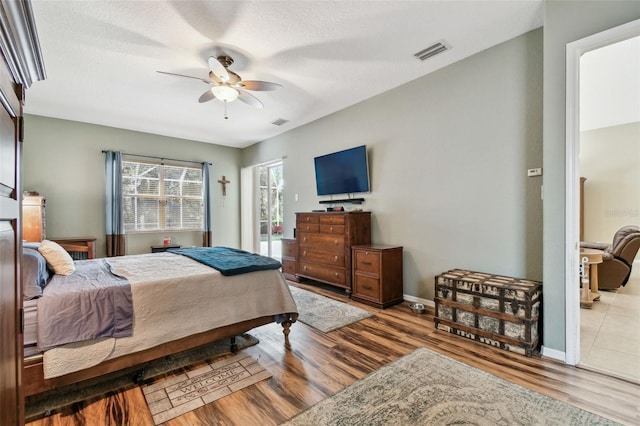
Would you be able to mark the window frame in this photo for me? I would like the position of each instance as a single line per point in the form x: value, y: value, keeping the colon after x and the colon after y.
x: 161, y: 197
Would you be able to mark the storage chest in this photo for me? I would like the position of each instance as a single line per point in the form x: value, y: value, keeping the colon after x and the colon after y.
x: 492, y: 309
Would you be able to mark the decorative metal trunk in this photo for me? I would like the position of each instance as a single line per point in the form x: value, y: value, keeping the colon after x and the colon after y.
x: 500, y: 311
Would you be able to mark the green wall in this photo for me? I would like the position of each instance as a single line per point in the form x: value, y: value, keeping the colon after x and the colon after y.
x: 63, y: 161
x: 448, y: 155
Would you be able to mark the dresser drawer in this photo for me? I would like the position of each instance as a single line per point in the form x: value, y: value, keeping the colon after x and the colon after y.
x: 322, y: 241
x: 308, y: 227
x: 289, y: 248
x: 306, y: 218
x: 335, y: 276
x: 289, y: 267
x: 367, y: 261
x: 327, y: 257
x: 332, y: 229
x: 366, y: 286
x: 332, y: 219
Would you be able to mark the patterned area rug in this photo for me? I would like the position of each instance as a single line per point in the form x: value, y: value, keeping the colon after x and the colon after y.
x: 174, y: 396
x: 426, y: 388
x: 323, y: 313
x: 62, y: 399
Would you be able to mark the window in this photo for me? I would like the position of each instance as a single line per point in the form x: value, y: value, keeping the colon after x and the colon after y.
x: 161, y: 197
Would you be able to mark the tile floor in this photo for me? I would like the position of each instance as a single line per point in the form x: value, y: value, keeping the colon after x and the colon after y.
x: 610, y: 332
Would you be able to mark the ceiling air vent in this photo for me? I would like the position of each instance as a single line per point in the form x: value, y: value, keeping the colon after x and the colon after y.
x: 430, y: 51
x: 280, y: 122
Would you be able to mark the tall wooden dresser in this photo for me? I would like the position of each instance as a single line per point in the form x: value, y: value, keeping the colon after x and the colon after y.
x: 324, y: 241
x: 33, y: 218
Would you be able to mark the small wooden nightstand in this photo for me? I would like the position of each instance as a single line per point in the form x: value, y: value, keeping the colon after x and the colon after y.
x: 377, y: 275
x: 289, y: 253
x: 164, y: 247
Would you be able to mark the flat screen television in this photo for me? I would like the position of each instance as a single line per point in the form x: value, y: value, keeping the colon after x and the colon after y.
x: 342, y: 172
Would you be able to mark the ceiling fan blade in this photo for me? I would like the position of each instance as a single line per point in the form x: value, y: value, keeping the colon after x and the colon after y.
x: 259, y: 85
x: 182, y: 75
x: 215, y: 78
x: 249, y: 99
x: 233, y: 77
x: 206, y: 96
x: 218, y: 69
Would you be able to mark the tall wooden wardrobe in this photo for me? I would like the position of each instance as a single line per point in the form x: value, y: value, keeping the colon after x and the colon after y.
x: 34, y: 225
x: 21, y: 64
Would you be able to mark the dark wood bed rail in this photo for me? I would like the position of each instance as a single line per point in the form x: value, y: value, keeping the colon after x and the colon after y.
x: 78, y: 247
x: 33, y: 373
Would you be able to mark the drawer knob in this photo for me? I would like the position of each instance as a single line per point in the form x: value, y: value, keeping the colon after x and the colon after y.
x: 331, y: 229
x: 307, y: 227
x: 304, y: 253
x: 336, y: 274
x: 304, y: 239
x: 335, y: 258
x: 308, y: 219
x: 304, y: 267
x: 335, y: 242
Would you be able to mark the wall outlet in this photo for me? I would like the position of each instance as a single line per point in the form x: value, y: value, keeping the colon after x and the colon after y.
x: 534, y: 172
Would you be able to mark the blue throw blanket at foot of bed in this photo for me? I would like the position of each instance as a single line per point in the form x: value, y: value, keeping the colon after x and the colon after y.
x: 229, y: 261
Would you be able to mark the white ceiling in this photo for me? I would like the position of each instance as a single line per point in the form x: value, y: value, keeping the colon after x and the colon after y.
x: 101, y: 57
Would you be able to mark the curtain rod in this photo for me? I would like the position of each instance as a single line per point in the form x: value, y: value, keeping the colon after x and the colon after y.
x: 160, y: 158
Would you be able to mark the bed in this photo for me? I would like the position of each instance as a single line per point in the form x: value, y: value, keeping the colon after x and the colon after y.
x: 178, y: 304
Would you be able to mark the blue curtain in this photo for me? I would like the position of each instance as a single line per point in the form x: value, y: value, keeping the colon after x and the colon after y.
x: 114, y: 221
x: 207, y: 234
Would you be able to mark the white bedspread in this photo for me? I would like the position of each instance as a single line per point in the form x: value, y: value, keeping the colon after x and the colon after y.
x: 175, y: 297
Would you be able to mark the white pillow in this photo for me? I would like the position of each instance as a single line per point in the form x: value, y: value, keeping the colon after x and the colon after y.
x: 57, y: 257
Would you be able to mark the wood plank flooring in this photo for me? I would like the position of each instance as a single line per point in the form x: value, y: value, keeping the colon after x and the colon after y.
x: 319, y: 365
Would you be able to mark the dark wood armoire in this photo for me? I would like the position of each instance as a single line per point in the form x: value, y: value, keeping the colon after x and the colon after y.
x: 21, y: 64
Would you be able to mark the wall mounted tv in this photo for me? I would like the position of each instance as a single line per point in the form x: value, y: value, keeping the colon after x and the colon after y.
x: 343, y: 172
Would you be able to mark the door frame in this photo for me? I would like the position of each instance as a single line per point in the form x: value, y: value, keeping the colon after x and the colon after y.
x: 268, y: 166
x: 574, y: 51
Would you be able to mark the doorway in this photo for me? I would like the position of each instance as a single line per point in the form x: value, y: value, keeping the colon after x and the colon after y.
x: 583, y: 129
x: 271, y: 209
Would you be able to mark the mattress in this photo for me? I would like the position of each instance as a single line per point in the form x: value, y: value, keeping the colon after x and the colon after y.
x: 175, y: 297
x: 30, y: 327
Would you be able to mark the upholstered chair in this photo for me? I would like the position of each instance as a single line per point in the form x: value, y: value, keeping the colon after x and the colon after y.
x: 618, y: 257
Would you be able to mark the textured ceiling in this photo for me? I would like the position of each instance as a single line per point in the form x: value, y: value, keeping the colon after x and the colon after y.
x: 101, y: 57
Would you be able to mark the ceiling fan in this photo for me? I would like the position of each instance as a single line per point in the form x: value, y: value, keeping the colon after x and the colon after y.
x: 227, y: 86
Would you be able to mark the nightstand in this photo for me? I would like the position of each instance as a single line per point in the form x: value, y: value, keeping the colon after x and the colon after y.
x: 163, y: 248
x: 289, y: 253
x: 377, y: 275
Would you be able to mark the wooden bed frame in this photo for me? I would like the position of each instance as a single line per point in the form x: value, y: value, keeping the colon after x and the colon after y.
x: 33, y: 373
x: 84, y: 247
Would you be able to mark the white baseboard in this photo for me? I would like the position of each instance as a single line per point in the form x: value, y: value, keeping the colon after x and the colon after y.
x: 414, y: 299
x: 554, y: 354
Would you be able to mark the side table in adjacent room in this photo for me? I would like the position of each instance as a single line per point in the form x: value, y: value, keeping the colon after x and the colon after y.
x: 589, y: 260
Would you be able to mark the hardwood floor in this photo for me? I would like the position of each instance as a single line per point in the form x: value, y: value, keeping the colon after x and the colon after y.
x: 319, y: 365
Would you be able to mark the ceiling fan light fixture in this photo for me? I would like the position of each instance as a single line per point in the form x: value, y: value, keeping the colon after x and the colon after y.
x: 225, y: 93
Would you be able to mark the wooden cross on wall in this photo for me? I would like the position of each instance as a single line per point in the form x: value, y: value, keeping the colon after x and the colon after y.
x: 224, y: 183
